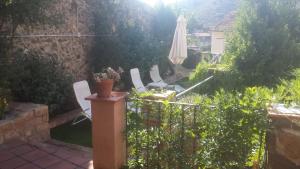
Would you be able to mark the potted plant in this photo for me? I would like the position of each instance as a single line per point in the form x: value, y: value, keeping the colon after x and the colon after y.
x: 105, y: 80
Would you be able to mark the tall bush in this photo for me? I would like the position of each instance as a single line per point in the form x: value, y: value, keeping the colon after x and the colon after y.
x: 224, y: 77
x: 240, y: 122
x: 130, y: 42
x: 4, y: 101
x: 288, y: 91
x: 40, y: 79
x: 226, y: 131
x: 265, y: 45
x: 15, y: 13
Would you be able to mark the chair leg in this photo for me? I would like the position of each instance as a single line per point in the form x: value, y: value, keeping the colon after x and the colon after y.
x: 74, y: 122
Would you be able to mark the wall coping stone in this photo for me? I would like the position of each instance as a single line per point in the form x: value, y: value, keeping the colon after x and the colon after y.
x: 25, y: 121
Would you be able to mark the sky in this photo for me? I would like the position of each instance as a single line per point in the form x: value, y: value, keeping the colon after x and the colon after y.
x: 154, y: 2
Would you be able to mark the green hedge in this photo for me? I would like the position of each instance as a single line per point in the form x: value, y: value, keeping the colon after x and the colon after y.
x: 131, y: 42
x: 230, y: 129
x: 265, y: 42
x: 40, y: 79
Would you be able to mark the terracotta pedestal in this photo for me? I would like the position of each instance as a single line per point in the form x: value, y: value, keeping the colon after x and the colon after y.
x: 108, y: 124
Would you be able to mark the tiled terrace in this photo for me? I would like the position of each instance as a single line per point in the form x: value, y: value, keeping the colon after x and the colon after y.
x: 47, y: 155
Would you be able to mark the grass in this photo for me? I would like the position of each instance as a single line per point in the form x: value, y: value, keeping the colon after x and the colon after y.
x: 80, y: 134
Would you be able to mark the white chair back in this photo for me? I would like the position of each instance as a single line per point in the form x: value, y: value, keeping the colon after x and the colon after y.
x: 136, y: 80
x: 154, y: 74
x: 82, y: 91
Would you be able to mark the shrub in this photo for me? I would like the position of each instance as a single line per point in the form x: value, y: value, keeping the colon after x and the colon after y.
x: 192, y: 60
x: 229, y: 127
x: 224, y: 78
x: 40, y: 79
x: 265, y: 43
x: 4, y: 99
x: 133, y: 43
x: 289, y: 90
x: 130, y: 49
x: 237, y: 127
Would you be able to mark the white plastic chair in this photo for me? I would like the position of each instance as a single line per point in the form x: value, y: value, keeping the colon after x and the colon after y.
x: 136, y: 80
x: 155, y: 77
x: 159, y: 82
x: 82, y: 91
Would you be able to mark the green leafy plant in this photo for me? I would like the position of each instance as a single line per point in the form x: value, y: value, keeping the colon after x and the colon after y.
x: 4, y: 100
x: 265, y: 42
x: 224, y: 78
x: 288, y: 91
x: 224, y: 131
x: 131, y: 42
x: 40, y: 79
x: 24, y: 12
x: 241, y: 122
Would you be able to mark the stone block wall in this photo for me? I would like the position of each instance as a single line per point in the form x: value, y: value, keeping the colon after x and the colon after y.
x: 283, y: 141
x: 26, y: 121
x: 60, y: 38
x: 71, y: 37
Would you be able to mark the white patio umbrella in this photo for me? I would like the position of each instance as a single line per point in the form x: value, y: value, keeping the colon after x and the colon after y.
x: 178, y: 51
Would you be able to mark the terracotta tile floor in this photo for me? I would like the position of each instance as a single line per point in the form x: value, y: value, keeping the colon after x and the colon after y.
x: 47, y: 155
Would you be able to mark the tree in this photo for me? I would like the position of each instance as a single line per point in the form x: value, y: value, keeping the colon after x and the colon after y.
x: 135, y: 39
x: 23, y: 12
x: 266, y: 43
x: 163, y: 28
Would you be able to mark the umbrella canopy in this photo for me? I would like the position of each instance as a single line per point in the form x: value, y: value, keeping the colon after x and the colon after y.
x: 178, y: 51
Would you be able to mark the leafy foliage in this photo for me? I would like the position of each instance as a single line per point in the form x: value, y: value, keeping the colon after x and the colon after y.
x: 225, y: 131
x: 14, y: 13
x: 224, y: 78
x: 240, y: 122
x: 265, y: 45
x: 4, y: 99
x: 40, y: 79
x: 24, y: 11
x: 132, y: 43
x: 288, y: 92
x: 262, y: 50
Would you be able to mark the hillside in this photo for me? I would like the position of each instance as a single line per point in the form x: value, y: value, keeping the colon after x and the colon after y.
x: 207, y: 13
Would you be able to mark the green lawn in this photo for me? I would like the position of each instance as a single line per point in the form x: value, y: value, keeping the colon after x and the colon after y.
x: 80, y: 134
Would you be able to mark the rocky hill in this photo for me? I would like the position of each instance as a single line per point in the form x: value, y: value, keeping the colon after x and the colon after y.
x: 204, y: 14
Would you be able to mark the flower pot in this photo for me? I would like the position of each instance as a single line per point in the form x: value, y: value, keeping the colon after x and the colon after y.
x: 104, y: 88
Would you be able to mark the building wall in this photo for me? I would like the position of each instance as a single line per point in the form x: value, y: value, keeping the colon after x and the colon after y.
x: 217, y: 42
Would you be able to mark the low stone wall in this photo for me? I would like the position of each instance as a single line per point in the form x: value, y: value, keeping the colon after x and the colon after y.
x: 284, y: 141
x: 27, y: 122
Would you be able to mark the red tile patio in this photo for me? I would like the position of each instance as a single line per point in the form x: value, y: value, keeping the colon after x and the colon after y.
x: 47, y: 155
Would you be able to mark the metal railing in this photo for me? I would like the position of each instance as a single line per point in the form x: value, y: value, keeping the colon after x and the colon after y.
x: 193, y: 87
x: 162, y: 134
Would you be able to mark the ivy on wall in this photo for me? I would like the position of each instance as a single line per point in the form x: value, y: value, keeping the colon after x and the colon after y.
x: 24, y: 12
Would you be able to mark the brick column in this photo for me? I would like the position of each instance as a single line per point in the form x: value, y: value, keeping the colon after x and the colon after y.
x: 108, y: 124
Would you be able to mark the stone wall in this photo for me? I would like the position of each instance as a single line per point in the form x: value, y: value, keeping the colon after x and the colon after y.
x: 27, y: 122
x: 283, y: 140
x: 61, y: 38
x: 71, y: 37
